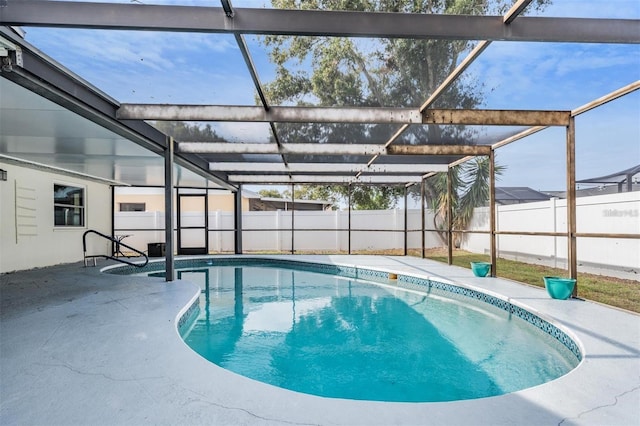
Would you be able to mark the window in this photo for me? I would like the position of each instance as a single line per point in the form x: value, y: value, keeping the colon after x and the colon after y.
x: 68, y: 205
x: 133, y: 207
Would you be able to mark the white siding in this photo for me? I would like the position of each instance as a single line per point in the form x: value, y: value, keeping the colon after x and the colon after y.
x: 28, y: 238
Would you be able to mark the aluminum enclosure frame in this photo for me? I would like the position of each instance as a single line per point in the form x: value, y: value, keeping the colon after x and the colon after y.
x: 126, y: 118
x: 149, y: 17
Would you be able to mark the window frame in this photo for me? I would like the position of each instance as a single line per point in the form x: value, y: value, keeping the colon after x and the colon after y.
x: 129, y: 204
x: 81, y: 206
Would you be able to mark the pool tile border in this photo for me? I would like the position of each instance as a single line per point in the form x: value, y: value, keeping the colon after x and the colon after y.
x: 188, y: 316
x: 385, y: 277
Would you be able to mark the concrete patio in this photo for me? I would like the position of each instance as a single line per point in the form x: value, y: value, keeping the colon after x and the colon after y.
x: 78, y: 346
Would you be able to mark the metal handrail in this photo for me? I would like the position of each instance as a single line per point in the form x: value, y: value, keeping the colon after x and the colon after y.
x: 113, y: 240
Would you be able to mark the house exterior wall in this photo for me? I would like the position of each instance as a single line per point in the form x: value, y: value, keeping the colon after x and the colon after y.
x: 28, y: 237
x: 154, y: 202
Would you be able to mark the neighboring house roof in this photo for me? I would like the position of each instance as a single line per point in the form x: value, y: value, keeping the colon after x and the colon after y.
x: 596, y: 190
x: 250, y: 194
x: 269, y: 203
x: 609, y: 184
x: 518, y: 194
x: 288, y: 200
x: 619, y: 177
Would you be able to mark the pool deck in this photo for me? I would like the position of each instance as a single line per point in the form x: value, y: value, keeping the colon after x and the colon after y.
x: 80, y: 347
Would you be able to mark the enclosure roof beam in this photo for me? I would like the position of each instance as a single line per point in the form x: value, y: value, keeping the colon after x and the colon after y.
x: 340, y: 115
x: 451, y: 78
x: 517, y: 8
x: 256, y: 82
x: 242, y: 44
x: 438, y: 150
x: 269, y: 148
x: 625, y: 90
x: 329, y: 149
x: 228, y: 9
x: 274, y: 114
x: 149, y: 17
x: 315, y: 179
x: 329, y: 168
x: 496, y: 117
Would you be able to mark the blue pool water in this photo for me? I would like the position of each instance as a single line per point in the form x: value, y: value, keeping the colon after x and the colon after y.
x: 343, y: 338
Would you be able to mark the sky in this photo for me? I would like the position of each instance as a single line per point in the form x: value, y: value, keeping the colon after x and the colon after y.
x: 137, y: 67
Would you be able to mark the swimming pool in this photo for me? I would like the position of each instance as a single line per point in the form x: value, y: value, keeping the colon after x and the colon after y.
x: 401, y: 340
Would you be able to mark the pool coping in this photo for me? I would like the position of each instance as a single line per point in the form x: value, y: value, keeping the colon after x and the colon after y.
x: 112, y: 354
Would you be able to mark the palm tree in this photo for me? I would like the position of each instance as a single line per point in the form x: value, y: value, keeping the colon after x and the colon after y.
x: 470, y: 189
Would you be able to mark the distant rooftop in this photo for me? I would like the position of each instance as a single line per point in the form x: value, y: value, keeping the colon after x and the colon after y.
x: 595, y: 190
x: 622, y: 181
x: 272, y: 203
x: 619, y: 178
x: 519, y: 194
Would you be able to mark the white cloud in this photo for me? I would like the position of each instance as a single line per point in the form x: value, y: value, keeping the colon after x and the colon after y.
x: 559, y: 76
x: 154, y: 50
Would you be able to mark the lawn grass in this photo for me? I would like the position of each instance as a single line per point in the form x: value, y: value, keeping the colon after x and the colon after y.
x: 612, y: 291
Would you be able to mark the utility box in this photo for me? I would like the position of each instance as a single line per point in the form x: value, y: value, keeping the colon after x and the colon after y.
x: 156, y: 249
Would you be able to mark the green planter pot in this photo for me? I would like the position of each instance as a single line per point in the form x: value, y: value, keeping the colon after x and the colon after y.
x: 559, y: 288
x: 480, y: 269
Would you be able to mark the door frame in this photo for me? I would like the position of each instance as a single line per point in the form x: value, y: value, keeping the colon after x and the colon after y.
x: 192, y: 250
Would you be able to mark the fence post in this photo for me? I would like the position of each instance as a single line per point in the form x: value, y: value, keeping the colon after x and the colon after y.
x: 349, y: 220
x: 406, y: 210
x: 395, y: 229
x: 492, y: 212
x: 336, y: 222
x: 218, y: 233
x: 554, y: 228
x: 293, y: 209
x: 422, y: 221
x: 450, y: 216
x: 278, y: 231
x: 238, y: 220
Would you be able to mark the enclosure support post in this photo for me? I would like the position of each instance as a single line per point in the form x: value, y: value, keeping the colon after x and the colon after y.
x: 349, y: 218
x: 293, y: 200
x: 406, y: 242
x: 206, y: 220
x: 450, y: 216
x: 178, y: 220
x: 237, y: 219
x: 422, y: 206
x: 492, y: 211
x: 572, y: 263
x: 170, y: 274
x: 113, y: 219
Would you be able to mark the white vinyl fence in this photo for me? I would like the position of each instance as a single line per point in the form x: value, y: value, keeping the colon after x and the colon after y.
x: 607, y: 214
x: 271, y: 231
x: 374, y: 230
